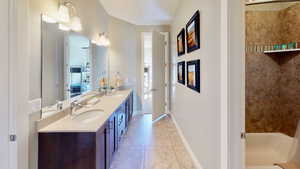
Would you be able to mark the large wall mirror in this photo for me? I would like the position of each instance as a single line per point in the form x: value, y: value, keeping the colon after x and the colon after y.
x: 71, y: 66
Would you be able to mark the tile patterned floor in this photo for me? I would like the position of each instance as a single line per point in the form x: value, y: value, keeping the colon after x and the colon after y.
x: 152, y: 146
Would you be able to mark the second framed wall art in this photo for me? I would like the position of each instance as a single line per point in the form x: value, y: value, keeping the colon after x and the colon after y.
x: 181, y: 72
x: 193, y: 75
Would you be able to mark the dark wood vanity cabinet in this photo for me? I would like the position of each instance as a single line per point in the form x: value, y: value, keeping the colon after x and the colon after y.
x: 91, y: 150
x: 72, y: 150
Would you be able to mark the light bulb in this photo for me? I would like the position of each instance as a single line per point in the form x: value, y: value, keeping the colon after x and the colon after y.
x: 76, y: 24
x: 64, y: 27
x: 63, y: 14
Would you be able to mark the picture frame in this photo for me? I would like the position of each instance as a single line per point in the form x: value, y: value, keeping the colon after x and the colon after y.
x: 181, y: 72
x: 193, y: 33
x: 181, y: 43
x: 193, y: 75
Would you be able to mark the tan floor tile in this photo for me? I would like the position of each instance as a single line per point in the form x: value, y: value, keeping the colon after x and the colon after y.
x: 152, y: 146
x: 128, y: 158
x: 183, y: 158
x: 162, y: 157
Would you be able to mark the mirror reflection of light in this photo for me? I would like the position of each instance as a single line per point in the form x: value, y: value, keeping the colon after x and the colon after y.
x: 76, y: 24
x: 63, y: 13
x: 64, y: 27
x: 102, y: 40
x: 48, y: 19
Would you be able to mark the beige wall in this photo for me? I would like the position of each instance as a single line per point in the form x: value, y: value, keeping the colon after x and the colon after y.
x: 198, y: 114
x: 125, y: 53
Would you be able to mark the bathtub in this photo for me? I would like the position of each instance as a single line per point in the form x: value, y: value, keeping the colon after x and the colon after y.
x: 263, y: 150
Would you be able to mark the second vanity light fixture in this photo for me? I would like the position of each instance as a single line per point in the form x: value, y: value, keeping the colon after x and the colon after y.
x: 102, y: 40
x: 67, y: 18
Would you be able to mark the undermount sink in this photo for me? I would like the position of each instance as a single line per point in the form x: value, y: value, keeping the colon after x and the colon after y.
x: 117, y: 95
x: 88, y: 116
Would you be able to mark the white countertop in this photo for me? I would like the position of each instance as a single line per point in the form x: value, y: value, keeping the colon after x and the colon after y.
x: 108, y: 105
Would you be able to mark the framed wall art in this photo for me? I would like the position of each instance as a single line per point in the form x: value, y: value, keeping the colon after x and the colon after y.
x: 193, y: 75
x: 193, y: 33
x: 181, y: 43
x: 181, y: 72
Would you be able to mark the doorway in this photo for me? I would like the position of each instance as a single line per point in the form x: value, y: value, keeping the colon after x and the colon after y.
x: 272, y: 84
x: 155, y: 73
x: 147, y: 72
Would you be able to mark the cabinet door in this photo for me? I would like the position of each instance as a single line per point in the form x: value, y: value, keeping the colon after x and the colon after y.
x: 116, y: 128
x: 101, y: 141
x: 130, y: 106
x: 127, y: 112
x: 110, y: 143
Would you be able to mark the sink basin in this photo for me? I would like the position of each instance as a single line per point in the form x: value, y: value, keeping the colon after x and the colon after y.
x: 93, y: 101
x: 117, y: 95
x: 88, y: 116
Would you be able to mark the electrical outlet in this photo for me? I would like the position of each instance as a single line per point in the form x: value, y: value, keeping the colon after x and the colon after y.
x: 35, y: 105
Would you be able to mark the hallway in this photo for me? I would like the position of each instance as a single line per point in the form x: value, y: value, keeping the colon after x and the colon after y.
x: 147, y: 146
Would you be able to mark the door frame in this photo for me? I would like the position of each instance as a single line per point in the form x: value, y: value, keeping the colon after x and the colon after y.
x: 232, y: 84
x: 167, y: 68
x: 7, y: 125
x: 18, y: 80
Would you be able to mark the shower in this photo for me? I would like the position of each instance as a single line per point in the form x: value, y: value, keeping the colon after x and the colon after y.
x: 272, y: 82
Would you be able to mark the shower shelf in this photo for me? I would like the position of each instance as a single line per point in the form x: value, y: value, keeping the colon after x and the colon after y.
x: 282, y: 51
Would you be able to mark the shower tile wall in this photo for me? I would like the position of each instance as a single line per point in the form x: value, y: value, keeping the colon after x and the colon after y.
x: 290, y: 72
x: 272, y: 81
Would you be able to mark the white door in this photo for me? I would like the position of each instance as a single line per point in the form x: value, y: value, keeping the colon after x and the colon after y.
x: 67, y: 77
x: 4, y: 85
x: 158, y: 74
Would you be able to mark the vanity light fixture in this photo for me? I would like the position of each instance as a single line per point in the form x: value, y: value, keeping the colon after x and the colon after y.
x: 102, y: 40
x: 76, y: 24
x: 63, y: 13
x: 68, y: 17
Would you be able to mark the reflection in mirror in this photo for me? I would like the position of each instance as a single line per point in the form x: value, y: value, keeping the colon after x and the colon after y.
x: 71, y: 67
x: 100, y: 66
x: 78, y: 64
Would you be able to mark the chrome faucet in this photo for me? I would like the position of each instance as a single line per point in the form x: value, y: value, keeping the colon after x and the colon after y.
x: 59, y: 105
x: 74, y: 106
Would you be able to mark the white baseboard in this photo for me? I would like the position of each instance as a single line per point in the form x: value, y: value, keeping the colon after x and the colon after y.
x: 186, y: 144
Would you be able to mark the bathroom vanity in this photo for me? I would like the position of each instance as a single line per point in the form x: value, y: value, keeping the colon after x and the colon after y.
x: 88, y: 139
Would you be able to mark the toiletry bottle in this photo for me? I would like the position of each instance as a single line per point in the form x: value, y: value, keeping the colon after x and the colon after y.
x: 118, y: 80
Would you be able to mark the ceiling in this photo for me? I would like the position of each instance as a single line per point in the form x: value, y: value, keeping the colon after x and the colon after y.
x: 142, y: 12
